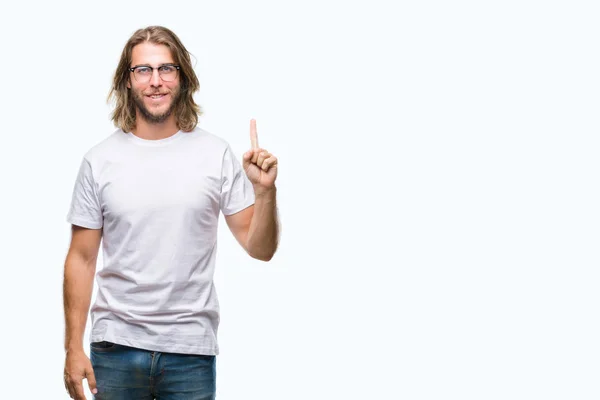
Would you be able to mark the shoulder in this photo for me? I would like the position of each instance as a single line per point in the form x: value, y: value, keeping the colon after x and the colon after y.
x: 100, y: 154
x: 210, y: 145
x: 208, y: 139
x: 105, y: 147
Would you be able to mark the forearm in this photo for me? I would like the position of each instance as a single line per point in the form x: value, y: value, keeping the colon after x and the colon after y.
x: 77, y: 293
x: 263, y: 234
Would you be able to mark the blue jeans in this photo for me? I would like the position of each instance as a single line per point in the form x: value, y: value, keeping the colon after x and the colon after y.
x: 128, y: 373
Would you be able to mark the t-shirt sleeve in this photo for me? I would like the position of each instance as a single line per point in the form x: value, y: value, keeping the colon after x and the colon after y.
x: 85, y: 207
x: 237, y: 192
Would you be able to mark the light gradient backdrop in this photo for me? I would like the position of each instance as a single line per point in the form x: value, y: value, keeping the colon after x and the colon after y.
x: 438, y: 190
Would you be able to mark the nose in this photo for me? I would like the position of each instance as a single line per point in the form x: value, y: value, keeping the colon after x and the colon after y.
x: 155, y: 79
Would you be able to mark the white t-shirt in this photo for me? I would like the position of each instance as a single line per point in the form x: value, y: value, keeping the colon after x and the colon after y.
x: 158, y: 203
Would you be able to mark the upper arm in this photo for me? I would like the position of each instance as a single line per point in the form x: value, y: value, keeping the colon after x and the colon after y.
x: 239, y: 224
x: 85, y: 243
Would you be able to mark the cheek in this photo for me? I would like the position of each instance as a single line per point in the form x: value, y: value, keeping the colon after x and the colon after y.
x: 137, y: 94
x: 138, y: 90
x: 173, y: 86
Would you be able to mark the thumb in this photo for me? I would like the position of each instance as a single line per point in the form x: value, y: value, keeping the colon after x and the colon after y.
x: 91, y: 380
x: 247, y: 157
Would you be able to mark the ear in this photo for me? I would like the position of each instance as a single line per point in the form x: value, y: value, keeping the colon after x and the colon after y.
x: 128, y: 84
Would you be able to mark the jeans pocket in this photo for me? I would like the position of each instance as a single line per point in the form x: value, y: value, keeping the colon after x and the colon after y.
x: 103, y: 346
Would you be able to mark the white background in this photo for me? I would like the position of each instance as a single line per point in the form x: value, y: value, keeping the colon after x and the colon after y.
x: 438, y: 190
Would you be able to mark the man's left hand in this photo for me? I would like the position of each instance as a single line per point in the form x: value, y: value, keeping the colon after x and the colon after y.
x: 259, y: 164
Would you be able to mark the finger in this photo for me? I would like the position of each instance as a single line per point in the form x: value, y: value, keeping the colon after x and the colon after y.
x: 262, y: 156
x: 256, y: 154
x: 91, y: 379
x: 269, y: 163
x: 69, y: 385
x: 253, y: 134
x: 78, y: 389
x: 246, y: 158
x: 69, y: 389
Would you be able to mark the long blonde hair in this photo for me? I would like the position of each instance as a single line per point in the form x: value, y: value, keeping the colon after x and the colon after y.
x: 187, y: 111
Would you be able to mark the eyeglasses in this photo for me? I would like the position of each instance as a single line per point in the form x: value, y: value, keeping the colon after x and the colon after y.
x: 167, y: 72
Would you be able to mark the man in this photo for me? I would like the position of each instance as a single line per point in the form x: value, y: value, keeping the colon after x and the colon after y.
x: 152, y: 192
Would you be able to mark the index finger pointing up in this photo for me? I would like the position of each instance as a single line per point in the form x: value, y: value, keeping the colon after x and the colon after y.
x: 253, y: 135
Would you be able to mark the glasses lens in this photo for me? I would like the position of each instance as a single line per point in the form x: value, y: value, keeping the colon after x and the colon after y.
x: 167, y: 73
x: 142, y: 74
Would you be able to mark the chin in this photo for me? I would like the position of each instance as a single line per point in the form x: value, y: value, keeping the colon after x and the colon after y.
x: 154, y: 114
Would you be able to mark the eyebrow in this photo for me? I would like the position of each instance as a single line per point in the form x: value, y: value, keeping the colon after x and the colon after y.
x: 148, y: 65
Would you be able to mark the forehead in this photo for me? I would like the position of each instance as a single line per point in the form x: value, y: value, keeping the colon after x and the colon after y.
x: 150, y: 53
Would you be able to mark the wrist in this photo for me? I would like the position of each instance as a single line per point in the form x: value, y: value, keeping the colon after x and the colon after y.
x: 265, y: 192
x: 74, y: 347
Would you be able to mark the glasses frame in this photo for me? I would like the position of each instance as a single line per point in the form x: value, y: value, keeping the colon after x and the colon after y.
x: 132, y: 69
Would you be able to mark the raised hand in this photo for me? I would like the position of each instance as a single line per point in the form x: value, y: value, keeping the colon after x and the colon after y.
x: 259, y: 164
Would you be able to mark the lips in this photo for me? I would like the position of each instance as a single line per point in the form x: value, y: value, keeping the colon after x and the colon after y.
x: 156, y: 96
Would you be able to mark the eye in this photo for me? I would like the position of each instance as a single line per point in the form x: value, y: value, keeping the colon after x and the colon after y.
x: 166, y: 69
x: 143, y: 70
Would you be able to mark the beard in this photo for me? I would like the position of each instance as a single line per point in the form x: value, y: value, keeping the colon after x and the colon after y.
x: 149, y: 116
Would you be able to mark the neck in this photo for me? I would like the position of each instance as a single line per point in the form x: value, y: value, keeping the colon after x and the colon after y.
x: 154, y: 131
